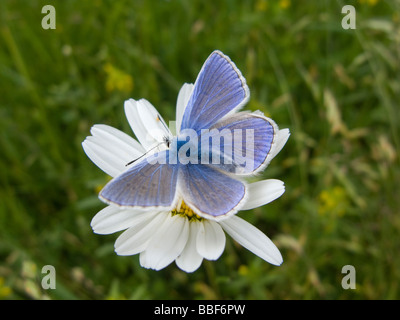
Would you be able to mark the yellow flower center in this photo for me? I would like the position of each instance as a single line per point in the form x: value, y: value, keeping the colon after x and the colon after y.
x: 185, y: 211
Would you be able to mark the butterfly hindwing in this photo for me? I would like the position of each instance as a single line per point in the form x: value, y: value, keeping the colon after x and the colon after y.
x: 209, y: 192
x: 245, y: 142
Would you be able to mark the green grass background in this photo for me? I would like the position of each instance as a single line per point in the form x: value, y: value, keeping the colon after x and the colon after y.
x: 337, y: 90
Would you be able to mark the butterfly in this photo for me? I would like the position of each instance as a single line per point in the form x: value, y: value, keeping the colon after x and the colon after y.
x: 212, y: 189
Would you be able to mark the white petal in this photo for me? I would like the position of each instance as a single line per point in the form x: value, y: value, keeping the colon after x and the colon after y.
x: 280, y: 140
x: 122, y: 144
x: 111, y: 149
x: 137, y: 237
x: 263, y: 192
x: 210, y: 240
x: 190, y: 260
x: 152, y: 121
x: 252, y: 239
x: 146, y: 122
x: 183, y: 99
x: 166, y: 244
x: 103, y: 158
x: 283, y: 136
x: 113, y: 219
x: 132, y: 114
x: 143, y: 259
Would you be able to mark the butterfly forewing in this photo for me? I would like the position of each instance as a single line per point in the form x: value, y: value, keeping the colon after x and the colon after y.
x: 219, y: 89
x: 149, y: 183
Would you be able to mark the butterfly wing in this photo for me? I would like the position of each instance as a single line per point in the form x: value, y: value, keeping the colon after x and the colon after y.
x: 219, y: 89
x: 243, y: 142
x: 210, y: 193
x: 150, y: 183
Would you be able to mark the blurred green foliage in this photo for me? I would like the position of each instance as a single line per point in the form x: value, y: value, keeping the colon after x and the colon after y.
x: 337, y: 90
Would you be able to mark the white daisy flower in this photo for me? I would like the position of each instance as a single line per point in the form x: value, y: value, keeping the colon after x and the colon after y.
x: 180, y: 235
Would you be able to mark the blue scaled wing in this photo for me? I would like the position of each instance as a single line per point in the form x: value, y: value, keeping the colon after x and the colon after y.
x: 242, y: 142
x: 149, y: 183
x: 210, y: 193
x: 219, y: 89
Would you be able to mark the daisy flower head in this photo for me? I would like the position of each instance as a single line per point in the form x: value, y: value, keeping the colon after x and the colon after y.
x: 177, y: 196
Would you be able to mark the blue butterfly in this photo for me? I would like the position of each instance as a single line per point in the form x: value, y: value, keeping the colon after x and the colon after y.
x: 211, y: 190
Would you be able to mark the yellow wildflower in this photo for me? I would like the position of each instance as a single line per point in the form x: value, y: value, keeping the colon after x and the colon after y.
x: 261, y: 5
x: 284, y: 4
x: 117, y: 80
x: 333, y: 202
x: 4, y: 290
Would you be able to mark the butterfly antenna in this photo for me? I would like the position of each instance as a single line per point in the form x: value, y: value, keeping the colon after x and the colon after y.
x: 162, y: 121
x: 130, y: 162
x: 166, y: 140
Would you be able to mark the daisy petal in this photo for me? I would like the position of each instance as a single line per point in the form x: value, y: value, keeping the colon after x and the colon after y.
x: 210, y: 240
x: 166, y: 244
x: 102, y: 157
x: 112, y: 219
x: 153, y: 122
x: 132, y: 114
x: 252, y: 239
x: 146, y: 122
x: 122, y: 144
x: 183, y: 99
x: 190, y: 260
x: 143, y: 259
x: 281, y: 138
x: 111, y: 149
x: 263, y: 192
x: 137, y: 237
